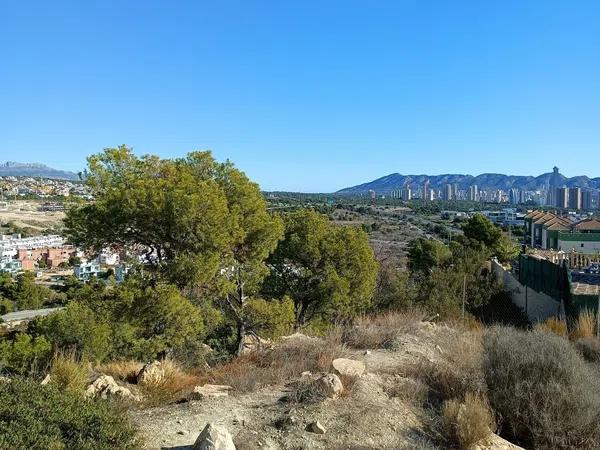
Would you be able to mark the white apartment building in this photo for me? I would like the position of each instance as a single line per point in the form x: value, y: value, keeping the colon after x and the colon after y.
x: 9, y: 244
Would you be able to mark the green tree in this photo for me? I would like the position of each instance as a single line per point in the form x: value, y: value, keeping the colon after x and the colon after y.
x: 24, y: 353
x: 426, y: 254
x: 24, y: 292
x: 202, y: 225
x: 480, y: 229
x: 328, y: 271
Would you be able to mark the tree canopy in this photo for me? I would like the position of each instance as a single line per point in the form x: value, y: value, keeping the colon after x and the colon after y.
x: 329, y: 271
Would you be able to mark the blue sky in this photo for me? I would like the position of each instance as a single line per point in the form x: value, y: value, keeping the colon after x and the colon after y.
x: 306, y: 95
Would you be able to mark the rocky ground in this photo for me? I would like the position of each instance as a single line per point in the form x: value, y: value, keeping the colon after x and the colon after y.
x: 366, y: 416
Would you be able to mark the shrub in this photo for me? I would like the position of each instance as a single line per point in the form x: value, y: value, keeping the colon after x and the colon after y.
x: 76, y: 328
x: 460, y: 370
x: 67, y: 373
x: 380, y: 331
x: 173, y: 385
x: 270, y: 319
x: 553, y: 325
x: 43, y: 417
x: 24, y: 354
x: 467, y: 422
x: 281, y: 364
x: 545, y: 394
x: 589, y: 348
x: 125, y: 370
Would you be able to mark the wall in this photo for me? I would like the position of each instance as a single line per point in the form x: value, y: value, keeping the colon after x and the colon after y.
x: 588, y: 246
x: 537, y: 305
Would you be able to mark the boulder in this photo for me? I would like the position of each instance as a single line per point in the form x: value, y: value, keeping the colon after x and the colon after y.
x: 316, y: 427
x: 209, y: 390
x: 214, y: 437
x: 495, y: 442
x: 151, y: 373
x: 46, y: 380
x: 329, y: 385
x: 105, y: 386
x: 349, y: 367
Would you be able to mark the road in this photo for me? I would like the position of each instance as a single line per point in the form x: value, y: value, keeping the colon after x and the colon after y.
x: 28, y: 314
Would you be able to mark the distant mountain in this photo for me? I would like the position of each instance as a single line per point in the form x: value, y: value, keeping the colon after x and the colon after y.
x: 16, y: 169
x: 396, y: 181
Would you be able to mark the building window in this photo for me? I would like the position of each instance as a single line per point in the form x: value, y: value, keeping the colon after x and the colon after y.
x: 582, y: 244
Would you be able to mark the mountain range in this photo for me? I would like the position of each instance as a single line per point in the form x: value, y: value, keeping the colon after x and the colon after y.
x: 15, y: 169
x: 484, y: 181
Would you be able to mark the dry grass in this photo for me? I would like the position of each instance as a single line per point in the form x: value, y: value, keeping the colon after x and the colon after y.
x: 459, y: 372
x: 553, y: 325
x: 69, y: 373
x: 589, y: 349
x: 381, y: 331
x: 409, y: 390
x: 276, y: 366
x: 584, y: 326
x: 126, y: 370
x: 466, y: 423
x: 175, y: 385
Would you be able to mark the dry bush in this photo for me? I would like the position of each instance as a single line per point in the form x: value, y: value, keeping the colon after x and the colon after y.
x: 175, y: 385
x: 584, y: 326
x: 69, y: 373
x: 553, y: 325
x: 467, y: 422
x: 409, y: 390
x: 545, y: 394
x: 589, y: 348
x: 281, y: 364
x: 126, y: 370
x: 460, y: 370
x: 381, y: 331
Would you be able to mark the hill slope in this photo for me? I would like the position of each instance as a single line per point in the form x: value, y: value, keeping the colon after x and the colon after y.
x: 16, y: 169
x: 484, y: 181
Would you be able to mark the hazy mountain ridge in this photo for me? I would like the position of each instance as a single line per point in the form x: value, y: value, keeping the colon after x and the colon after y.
x: 484, y: 181
x: 16, y: 169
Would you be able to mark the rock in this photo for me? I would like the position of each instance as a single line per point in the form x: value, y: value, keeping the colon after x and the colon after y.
x: 316, y: 427
x: 367, y: 352
x: 209, y: 390
x: 214, y: 437
x: 329, y: 385
x: 46, y: 380
x: 151, y: 373
x: 183, y: 432
x: 439, y: 349
x: 306, y: 373
x: 105, y: 386
x: 253, y: 343
x: 206, y: 348
x: 4, y: 379
x: 495, y: 442
x: 348, y: 367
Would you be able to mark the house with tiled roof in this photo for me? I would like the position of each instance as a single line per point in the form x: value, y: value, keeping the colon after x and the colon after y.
x: 550, y: 231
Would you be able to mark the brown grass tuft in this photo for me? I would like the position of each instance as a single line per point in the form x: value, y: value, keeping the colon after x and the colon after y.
x: 553, y: 325
x: 175, y: 385
x: 584, y: 326
x: 126, y: 370
x: 68, y: 372
x: 466, y: 423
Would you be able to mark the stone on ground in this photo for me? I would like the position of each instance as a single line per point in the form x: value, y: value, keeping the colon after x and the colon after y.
x: 151, y: 373
x: 495, y: 442
x: 329, y: 385
x: 105, y: 386
x: 349, y: 367
x: 252, y: 343
x: 214, y: 437
x: 316, y: 427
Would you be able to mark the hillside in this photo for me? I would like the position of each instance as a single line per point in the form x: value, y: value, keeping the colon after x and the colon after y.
x: 484, y: 181
x: 15, y: 169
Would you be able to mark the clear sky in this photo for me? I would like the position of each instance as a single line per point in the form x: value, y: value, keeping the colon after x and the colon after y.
x: 306, y: 95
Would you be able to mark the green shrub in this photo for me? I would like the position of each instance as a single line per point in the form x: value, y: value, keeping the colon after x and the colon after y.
x: 270, y: 319
x: 545, y: 394
x: 76, y: 328
x: 24, y: 354
x: 69, y: 373
x: 35, y: 417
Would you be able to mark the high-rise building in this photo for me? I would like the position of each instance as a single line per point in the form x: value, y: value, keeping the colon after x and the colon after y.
x: 447, y: 192
x: 575, y: 198
x: 554, y: 183
x: 561, y: 197
x: 426, y: 195
x: 473, y: 193
x: 586, y: 199
x: 406, y: 193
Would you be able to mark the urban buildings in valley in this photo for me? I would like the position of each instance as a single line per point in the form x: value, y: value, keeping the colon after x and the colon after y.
x: 550, y: 231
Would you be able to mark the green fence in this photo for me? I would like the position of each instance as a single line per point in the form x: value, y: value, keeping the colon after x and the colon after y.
x: 555, y: 281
